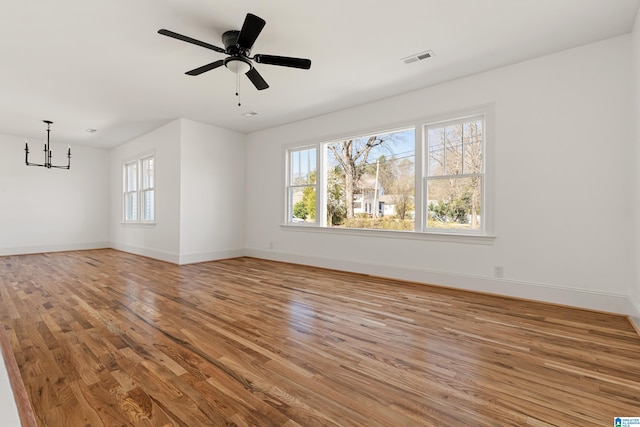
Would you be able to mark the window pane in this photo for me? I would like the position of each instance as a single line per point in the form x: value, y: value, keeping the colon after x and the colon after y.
x: 370, y: 181
x: 473, y: 147
x: 303, y: 204
x: 302, y: 164
x: 435, y: 137
x: 453, y: 149
x: 130, y: 207
x: 454, y: 203
x: 147, y: 173
x: 148, y: 205
x: 131, y: 177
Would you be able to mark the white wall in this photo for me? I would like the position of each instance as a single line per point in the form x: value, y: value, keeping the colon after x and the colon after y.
x: 635, y: 292
x: 43, y: 210
x: 211, y: 192
x: 563, y: 176
x: 162, y: 240
x: 199, y: 194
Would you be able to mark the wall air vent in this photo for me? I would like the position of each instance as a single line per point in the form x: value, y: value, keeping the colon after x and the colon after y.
x: 418, y: 57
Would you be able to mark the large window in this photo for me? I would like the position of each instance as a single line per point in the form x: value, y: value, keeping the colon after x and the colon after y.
x: 370, y: 181
x: 139, y: 190
x: 429, y: 177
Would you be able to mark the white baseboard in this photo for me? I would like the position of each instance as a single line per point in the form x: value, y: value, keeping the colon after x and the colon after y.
x: 178, y: 258
x: 150, y: 253
x: 210, y: 256
x: 600, y: 301
x: 26, y: 250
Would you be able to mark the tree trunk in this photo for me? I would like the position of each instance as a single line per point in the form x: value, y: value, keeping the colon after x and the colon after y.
x: 350, y: 162
x: 349, y: 184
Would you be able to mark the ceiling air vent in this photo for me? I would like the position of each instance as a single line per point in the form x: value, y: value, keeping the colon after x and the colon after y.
x: 418, y: 57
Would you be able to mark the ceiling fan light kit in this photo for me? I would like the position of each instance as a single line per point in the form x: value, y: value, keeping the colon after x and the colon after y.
x: 237, y: 47
x: 237, y: 65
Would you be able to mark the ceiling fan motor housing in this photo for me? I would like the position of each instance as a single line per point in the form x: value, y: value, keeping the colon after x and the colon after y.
x: 237, y: 60
x: 230, y: 41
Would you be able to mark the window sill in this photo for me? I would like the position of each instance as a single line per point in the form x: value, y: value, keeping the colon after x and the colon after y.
x: 476, y: 239
x: 138, y: 224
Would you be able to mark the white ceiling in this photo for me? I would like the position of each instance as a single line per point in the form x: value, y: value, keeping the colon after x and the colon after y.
x: 102, y: 64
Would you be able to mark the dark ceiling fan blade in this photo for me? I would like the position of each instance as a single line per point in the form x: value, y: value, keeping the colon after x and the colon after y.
x: 256, y: 79
x: 283, y: 61
x: 187, y: 39
x: 250, y: 31
x: 205, y: 68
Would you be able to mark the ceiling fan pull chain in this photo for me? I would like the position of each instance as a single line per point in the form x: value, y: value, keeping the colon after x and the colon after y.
x: 238, y: 87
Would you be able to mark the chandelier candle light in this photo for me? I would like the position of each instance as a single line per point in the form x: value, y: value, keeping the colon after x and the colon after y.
x: 47, y: 153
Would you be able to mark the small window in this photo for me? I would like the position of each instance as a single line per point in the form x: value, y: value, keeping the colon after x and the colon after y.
x: 454, y: 180
x: 139, y: 190
x: 301, y: 191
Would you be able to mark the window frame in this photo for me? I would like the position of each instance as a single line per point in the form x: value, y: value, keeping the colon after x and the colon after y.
x: 367, y: 207
x: 129, y: 195
x: 289, y: 187
x: 141, y: 189
x: 146, y: 189
x: 427, y: 177
x: 485, y: 235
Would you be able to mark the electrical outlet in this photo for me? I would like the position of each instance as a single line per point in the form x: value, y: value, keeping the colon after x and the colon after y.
x: 498, y: 271
x: 270, y: 245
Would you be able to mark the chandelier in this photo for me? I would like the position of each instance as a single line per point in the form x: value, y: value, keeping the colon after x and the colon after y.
x: 47, y: 153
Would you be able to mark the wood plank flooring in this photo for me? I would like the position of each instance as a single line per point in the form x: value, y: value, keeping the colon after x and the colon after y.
x: 105, y: 338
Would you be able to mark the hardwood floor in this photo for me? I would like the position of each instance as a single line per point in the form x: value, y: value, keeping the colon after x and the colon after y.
x: 105, y: 338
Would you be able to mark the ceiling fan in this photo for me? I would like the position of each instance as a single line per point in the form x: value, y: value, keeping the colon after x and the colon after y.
x: 237, y: 47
